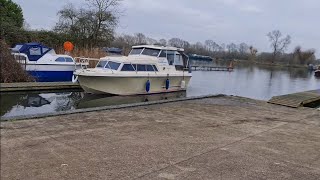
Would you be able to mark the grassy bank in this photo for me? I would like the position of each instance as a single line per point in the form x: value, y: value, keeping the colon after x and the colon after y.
x: 272, y: 64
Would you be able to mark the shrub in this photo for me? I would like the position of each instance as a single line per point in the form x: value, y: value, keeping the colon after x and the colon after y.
x: 11, y: 70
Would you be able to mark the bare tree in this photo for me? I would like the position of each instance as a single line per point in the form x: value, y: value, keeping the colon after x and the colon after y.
x: 215, y: 47
x: 151, y: 41
x: 140, y: 39
x: 243, y: 48
x: 176, y: 42
x: 208, y: 44
x: 129, y: 40
x: 91, y: 26
x: 105, y: 17
x: 304, y: 57
x: 222, y: 47
x: 163, y: 42
x: 232, y: 48
x: 278, y: 43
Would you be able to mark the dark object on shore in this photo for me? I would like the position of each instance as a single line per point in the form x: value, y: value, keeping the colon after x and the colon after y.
x: 196, y: 57
x: 311, y: 67
x: 214, y: 68
x: 113, y: 51
x: 317, y: 73
x: 11, y: 70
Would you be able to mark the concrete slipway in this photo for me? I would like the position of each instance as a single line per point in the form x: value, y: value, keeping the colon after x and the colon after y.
x: 210, y: 138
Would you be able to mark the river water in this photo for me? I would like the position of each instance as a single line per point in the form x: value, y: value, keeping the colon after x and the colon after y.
x: 257, y: 82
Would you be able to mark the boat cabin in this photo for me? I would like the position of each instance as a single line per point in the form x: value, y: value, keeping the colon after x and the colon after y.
x: 34, y: 51
x: 173, y: 56
x: 112, y: 65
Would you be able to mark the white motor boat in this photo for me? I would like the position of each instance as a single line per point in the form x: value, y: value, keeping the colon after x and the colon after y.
x: 44, y: 64
x: 148, y: 69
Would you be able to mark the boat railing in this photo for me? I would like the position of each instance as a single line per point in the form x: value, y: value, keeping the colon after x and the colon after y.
x: 86, y: 62
x: 21, y: 59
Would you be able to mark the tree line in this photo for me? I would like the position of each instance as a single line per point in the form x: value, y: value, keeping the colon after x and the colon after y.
x: 231, y: 51
x: 93, y: 26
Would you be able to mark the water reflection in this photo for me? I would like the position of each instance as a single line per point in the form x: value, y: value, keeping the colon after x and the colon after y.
x: 253, y: 81
x: 91, y: 100
x: 37, y: 103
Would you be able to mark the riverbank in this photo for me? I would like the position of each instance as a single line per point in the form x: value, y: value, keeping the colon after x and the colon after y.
x: 272, y: 64
x: 210, y: 138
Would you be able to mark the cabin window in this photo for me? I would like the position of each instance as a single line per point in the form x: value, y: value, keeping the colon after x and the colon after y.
x: 136, y: 51
x: 60, y: 59
x: 18, y: 47
x: 151, y: 52
x: 101, y: 64
x: 112, y: 65
x: 127, y: 67
x: 163, y: 53
x: 35, y: 51
x: 170, y: 57
x: 178, y: 60
x: 141, y: 67
x: 69, y: 59
x: 150, y: 68
x: 145, y: 67
x: 45, y: 49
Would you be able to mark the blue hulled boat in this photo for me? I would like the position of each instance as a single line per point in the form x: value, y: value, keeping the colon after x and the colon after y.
x: 43, y: 63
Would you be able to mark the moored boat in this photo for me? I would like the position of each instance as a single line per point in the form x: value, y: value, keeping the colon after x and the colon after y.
x: 148, y: 69
x: 43, y: 63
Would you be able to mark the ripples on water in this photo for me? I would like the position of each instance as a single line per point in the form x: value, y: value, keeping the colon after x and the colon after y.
x: 257, y: 82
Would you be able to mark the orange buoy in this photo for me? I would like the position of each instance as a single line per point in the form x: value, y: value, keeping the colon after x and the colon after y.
x: 68, y: 46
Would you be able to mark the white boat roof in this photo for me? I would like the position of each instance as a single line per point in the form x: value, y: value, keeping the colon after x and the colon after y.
x: 159, y: 47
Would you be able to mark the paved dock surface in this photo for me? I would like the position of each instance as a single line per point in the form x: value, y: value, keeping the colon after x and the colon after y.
x: 213, y: 138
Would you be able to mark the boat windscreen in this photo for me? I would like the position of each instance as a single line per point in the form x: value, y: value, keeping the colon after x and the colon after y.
x: 136, y: 51
x: 151, y: 52
x: 17, y: 47
x: 101, y: 64
x: 112, y: 65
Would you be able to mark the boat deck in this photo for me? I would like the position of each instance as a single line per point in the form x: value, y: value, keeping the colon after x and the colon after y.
x: 296, y: 99
x: 32, y: 86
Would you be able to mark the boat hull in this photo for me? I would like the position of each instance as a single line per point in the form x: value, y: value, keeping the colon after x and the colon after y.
x: 51, y: 76
x: 131, y: 85
x: 51, y: 72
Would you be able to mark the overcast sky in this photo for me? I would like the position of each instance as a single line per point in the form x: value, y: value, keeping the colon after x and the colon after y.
x: 223, y: 21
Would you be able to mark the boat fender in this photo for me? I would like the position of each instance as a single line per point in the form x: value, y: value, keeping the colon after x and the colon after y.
x: 148, y: 84
x: 183, y: 84
x: 74, y: 78
x: 167, y: 84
